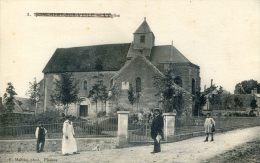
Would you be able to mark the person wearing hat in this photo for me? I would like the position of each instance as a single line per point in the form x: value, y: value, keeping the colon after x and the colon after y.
x: 157, y: 130
x: 40, y: 136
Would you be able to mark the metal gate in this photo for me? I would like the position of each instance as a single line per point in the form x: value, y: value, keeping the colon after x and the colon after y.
x: 139, y: 131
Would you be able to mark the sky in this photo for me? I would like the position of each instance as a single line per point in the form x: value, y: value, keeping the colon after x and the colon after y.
x: 221, y: 36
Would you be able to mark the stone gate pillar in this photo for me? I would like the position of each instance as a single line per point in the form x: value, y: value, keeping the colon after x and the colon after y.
x: 169, y: 125
x: 122, y: 132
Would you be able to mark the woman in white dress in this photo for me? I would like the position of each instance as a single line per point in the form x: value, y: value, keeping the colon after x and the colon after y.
x: 69, y: 145
x: 73, y: 140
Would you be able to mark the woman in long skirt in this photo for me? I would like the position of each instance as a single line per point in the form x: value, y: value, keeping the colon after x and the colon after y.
x: 69, y: 145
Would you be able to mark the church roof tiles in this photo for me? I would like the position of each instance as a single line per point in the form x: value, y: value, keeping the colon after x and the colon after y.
x: 112, y: 56
x: 167, y: 53
x: 81, y: 59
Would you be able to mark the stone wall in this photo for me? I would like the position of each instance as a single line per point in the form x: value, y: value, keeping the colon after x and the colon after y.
x: 53, y: 145
x: 187, y: 104
x: 186, y: 71
x: 89, y: 77
x: 138, y: 69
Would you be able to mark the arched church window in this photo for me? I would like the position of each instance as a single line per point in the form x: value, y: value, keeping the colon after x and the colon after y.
x: 85, y: 85
x: 178, y: 81
x: 142, y: 39
x: 193, y: 86
x: 138, y: 84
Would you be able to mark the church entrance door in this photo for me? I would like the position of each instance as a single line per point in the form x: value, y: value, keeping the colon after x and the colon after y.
x: 83, y: 110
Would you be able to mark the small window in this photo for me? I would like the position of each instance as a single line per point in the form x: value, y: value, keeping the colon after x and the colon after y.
x: 142, y: 39
x: 193, y: 89
x: 138, y: 84
x: 85, y: 85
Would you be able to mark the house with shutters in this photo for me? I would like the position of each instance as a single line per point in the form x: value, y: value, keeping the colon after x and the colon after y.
x: 123, y: 65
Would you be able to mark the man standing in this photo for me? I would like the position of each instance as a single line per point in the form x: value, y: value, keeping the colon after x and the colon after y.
x: 157, y: 130
x: 40, y: 136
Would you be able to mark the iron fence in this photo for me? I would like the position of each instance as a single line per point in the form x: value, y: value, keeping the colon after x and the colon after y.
x: 102, y: 127
x: 139, y: 131
x: 196, y: 124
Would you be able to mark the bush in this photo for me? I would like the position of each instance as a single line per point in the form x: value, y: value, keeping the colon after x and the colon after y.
x: 120, y: 108
x: 237, y: 115
x: 47, y: 117
x: 101, y: 114
x: 252, y: 113
x: 133, y: 118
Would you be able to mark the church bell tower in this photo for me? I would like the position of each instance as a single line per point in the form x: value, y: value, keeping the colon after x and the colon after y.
x: 143, y: 41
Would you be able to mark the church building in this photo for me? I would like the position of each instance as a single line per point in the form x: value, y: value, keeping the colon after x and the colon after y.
x: 124, y: 65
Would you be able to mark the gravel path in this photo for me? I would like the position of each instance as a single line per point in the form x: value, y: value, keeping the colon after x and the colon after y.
x: 192, y: 150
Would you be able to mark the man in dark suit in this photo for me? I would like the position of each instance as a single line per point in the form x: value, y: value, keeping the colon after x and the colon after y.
x: 157, y: 130
x: 40, y: 136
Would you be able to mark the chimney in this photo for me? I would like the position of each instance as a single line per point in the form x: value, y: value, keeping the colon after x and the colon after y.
x: 211, y: 82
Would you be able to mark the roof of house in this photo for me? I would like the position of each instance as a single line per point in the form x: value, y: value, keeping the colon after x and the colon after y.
x: 81, y: 59
x: 25, y: 106
x: 139, y: 57
x: 22, y: 106
x: 167, y: 53
x: 112, y: 56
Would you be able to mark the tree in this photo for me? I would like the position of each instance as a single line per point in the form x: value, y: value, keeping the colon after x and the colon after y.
x: 34, y: 93
x: 228, y: 101
x: 131, y: 95
x: 114, y: 94
x: 65, y: 92
x: 103, y: 94
x: 98, y: 92
x: 9, y: 97
x: 238, y: 103
x: 214, y: 95
x: 246, y: 86
x: 253, y: 104
x: 200, y: 101
x: 170, y: 96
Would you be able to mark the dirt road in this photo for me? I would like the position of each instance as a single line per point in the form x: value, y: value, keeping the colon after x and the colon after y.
x: 191, y: 150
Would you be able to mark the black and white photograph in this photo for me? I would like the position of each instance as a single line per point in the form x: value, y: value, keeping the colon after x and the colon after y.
x: 132, y: 81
